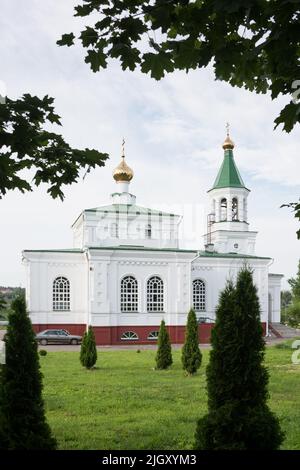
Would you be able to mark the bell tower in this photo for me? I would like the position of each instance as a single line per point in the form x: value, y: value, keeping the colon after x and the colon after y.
x: 228, y: 230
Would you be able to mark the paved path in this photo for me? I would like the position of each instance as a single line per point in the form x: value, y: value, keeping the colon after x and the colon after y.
x: 134, y: 347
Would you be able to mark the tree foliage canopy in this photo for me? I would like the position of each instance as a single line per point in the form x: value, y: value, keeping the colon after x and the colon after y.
x: 295, y: 206
x: 294, y: 282
x: 250, y: 43
x: 291, y: 314
x: 2, y: 302
x: 26, y: 144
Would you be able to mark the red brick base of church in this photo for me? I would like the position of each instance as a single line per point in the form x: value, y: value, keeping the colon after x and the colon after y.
x: 106, y: 336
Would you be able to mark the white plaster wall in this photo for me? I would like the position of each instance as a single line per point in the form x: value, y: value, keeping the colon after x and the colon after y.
x: 96, y: 275
x: 226, y: 241
x: 110, y: 268
x: 42, y: 269
x: 216, y: 271
x: 274, y: 282
x: 96, y: 229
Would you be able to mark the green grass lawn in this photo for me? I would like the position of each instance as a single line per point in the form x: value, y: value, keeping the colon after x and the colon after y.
x: 126, y: 404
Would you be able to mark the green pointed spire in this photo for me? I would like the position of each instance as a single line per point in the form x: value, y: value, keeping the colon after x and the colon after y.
x: 228, y: 175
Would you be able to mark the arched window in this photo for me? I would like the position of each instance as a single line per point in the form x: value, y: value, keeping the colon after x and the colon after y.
x: 199, y: 295
x: 61, y: 294
x: 148, y: 231
x: 114, y: 230
x: 155, y: 294
x: 129, y: 336
x: 153, y: 335
x: 223, y: 212
x: 129, y: 294
x: 235, y: 214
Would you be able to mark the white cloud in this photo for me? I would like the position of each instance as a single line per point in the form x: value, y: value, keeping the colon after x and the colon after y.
x: 173, y: 129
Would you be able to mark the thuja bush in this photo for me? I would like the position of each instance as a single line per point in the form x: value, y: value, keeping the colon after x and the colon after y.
x: 191, y: 355
x: 237, y: 381
x: 22, y: 416
x: 88, y: 351
x: 164, y: 352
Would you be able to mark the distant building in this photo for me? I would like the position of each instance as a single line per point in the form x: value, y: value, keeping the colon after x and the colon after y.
x: 126, y: 270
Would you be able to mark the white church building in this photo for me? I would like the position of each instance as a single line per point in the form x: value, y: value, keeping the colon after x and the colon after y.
x: 126, y: 271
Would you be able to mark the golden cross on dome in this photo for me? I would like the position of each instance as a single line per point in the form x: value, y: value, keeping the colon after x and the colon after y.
x: 227, y: 128
x: 123, y: 148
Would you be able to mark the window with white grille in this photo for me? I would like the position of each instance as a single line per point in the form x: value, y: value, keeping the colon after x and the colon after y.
x: 61, y: 294
x: 129, y: 294
x: 199, y: 295
x: 155, y: 294
x: 129, y: 336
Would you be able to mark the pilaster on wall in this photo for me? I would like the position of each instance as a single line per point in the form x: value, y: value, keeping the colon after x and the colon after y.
x: 99, y: 286
x: 182, y: 291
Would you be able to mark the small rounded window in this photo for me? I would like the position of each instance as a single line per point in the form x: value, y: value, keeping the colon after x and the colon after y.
x: 129, y: 336
x: 153, y: 335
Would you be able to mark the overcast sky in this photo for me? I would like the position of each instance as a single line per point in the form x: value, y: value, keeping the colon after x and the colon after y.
x: 174, y: 130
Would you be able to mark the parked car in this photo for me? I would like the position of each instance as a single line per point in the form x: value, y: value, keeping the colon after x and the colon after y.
x: 205, y: 320
x: 57, y: 337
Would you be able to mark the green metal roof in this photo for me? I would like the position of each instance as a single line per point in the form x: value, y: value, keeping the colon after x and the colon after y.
x: 140, y: 248
x: 228, y: 176
x: 130, y: 209
x: 202, y: 254
x: 63, y: 250
x: 208, y: 254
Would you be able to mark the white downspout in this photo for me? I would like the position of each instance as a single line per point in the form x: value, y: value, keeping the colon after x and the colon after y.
x: 88, y: 290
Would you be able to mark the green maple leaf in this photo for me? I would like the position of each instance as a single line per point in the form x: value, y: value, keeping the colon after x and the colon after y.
x: 97, y: 59
x: 289, y: 116
x: 157, y: 64
x: 66, y: 40
x: 129, y: 56
x: 88, y: 37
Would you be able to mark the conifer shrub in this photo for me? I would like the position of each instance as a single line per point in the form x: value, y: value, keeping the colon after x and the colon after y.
x: 191, y: 355
x: 83, y: 349
x: 43, y: 352
x: 23, y: 425
x: 164, y: 352
x: 237, y: 381
x: 88, y: 351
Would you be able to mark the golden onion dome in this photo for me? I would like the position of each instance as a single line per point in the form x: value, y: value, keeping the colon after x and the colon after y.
x: 123, y: 172
x: 228, y: 143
